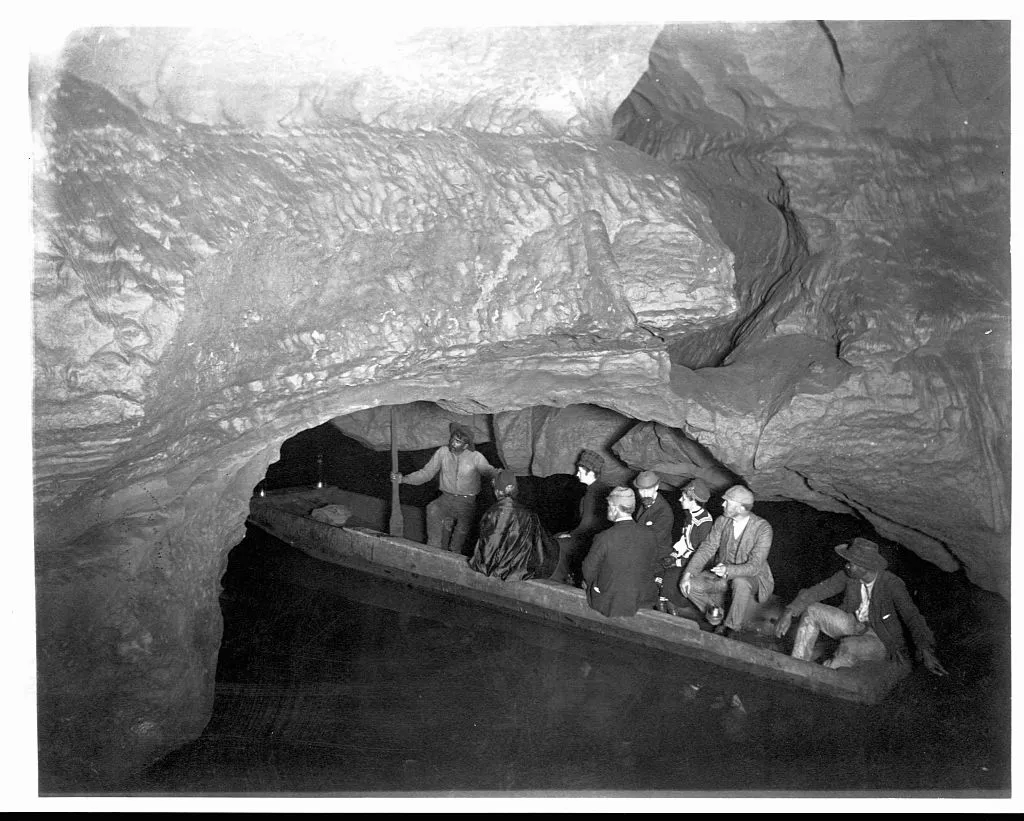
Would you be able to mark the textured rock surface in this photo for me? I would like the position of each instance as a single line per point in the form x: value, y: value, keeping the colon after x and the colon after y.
x: 792, y: 266
x: 419, y: 426
x: 893, y: 154
x: 511, y: 81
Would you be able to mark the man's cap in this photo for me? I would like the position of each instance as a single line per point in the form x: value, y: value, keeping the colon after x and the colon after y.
x: 740, y: 495
x: 590, y: 460
x: 505, y: 481
x: 647, y: 480
x: 863, y: 552
x: 699, y: 490
x: 623, y: 497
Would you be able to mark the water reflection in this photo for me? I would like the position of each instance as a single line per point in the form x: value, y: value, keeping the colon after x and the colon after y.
x: 335, y: 682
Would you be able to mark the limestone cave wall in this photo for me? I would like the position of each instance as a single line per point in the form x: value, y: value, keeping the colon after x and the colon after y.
x: 771, y: 251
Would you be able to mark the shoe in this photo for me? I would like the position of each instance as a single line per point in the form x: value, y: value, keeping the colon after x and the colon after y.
x: 722, y: 630
x: 665, y: 606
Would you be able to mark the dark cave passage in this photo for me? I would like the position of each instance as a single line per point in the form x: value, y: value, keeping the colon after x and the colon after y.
x: 804, y: 537
x: 351, y: 466
x: 332, y: 681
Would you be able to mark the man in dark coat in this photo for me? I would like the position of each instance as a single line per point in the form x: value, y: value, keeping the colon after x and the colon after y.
x: 739, y: 543
x: 513, y: 544
x: 574, y: 544
x: 654, y: 512
x: 618, y: 572
x: 871, y: 620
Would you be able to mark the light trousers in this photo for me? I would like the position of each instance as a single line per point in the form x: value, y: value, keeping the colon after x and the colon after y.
x: 858, y: 642
x: 707, y: 590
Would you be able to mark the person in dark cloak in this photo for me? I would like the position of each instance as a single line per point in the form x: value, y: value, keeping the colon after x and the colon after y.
x: 513, y: 544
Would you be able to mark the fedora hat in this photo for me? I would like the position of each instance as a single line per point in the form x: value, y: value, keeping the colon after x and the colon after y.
x: 647, y: 480
x: 863, y: 552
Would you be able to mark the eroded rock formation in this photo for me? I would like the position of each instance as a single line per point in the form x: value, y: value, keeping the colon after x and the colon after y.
x: 772, y: 251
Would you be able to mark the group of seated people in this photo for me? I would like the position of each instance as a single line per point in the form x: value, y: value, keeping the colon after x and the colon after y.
x: 622, y: 553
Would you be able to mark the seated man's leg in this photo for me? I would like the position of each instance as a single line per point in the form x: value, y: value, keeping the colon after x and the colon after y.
x: 561, y: 571
x: 854, y: 649
x: 741, y: 603
x: 707, y: 590
x: 670, y: 586
x: 580, y: 547
x: 822, y: 618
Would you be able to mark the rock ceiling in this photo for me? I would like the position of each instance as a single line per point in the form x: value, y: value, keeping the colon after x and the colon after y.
x: 777, y: 250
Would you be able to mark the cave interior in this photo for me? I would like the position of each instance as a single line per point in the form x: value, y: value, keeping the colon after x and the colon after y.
x: 770, y: 252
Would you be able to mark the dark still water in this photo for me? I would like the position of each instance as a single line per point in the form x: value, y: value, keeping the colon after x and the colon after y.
x: 333, y: 682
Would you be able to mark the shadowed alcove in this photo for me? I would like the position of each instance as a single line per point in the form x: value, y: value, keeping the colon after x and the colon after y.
x: 329, y: 680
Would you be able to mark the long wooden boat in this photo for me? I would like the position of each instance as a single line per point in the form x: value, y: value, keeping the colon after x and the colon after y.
x: 362, y: 545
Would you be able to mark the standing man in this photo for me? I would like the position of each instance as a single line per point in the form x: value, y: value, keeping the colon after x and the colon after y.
x: 450, y: 515
x: 870, y: 623
x: 618, y: 571
x: 574, y: 544
x: 696, y: 527
x: 654, y: 513
x: 740, y: 542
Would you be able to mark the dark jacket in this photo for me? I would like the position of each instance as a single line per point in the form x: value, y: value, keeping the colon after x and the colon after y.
x: 619, y: 569
x: 890, y: 611
x: 513, y: 544
x: 658, y: 519
x: 593, y: 513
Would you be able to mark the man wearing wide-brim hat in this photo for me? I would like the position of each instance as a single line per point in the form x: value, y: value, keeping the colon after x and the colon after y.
x: 871, y: 621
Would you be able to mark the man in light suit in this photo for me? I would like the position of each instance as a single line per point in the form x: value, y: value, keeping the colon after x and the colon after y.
x: 739, y: 541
